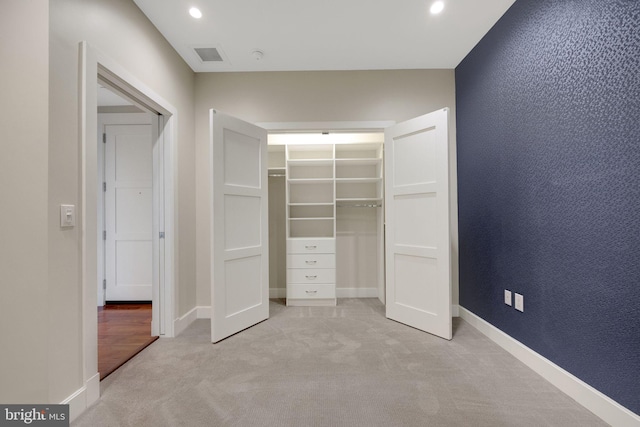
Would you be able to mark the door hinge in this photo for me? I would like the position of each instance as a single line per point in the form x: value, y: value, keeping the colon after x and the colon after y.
x: 104, y: 284
x: 162, y: 234
x: 104, y: 138
x: 104, y: 186
x: 104, y: 235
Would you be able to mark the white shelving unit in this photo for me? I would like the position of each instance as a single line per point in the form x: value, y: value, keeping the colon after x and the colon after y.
x: 359, y: 173
x: 322, y: 178
x: 311, y: 224
x: 310, y: 191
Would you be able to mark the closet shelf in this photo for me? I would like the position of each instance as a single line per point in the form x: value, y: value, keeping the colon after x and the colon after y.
x: 357, y: 180
x: 358, y: 162
x: 324, y: 218
x: 310, y: 181
x: 312, y: 204
x: 359, y: 205
x: 358, y: 199
x: 310, y: 162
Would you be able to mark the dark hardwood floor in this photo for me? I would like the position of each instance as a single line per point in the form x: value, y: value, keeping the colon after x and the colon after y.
x: 123, y: 331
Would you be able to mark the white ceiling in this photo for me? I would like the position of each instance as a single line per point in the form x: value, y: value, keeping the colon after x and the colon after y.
x: 325, y: 35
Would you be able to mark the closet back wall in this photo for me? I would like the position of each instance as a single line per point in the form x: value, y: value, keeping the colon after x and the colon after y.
x: 313, y: 96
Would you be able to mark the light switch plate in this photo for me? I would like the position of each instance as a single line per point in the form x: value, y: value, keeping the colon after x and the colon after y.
x: 67, y: 216
x: 519, y: 302
x: 507, y: 297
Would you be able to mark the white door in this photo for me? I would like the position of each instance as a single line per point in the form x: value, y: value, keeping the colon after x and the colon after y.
x: 239, y: 225
x: 418, y: 273
x: 128, y: 212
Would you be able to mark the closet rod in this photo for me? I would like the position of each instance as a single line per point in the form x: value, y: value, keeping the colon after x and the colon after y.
x: 360, y: 206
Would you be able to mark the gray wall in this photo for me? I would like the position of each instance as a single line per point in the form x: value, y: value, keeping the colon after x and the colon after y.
x: 40, y: 264
x: 24, y: 67
x: 277, y: 234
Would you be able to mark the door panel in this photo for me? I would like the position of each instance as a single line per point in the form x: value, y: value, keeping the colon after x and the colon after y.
x: 239, y: 225
x: 418, y: 274
x: 242, y: 221
x: 242, y: 276
x: 128, y: 212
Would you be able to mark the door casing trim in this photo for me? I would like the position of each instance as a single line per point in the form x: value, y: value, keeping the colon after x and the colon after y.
x: 95, y: 65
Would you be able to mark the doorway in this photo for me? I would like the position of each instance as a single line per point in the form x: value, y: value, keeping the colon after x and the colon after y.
x: 417, y: 233
x: 125, y: 209
x: 125, y: 206
x: 353, y: 219
x: 96, y: 66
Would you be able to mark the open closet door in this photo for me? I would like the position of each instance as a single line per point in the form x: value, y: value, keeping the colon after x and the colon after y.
x: 239, y: 225
x: 418, y: 272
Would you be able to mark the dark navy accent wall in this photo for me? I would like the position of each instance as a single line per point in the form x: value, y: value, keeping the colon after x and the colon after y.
x: 548, y: 113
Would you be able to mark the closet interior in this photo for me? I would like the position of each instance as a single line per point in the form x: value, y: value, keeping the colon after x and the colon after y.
x: 326, y: 235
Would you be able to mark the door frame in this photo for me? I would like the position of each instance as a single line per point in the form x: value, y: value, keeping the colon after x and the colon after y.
x: 347, y: 126
x: 95, y: 65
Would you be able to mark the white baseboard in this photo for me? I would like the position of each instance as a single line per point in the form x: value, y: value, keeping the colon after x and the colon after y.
x: 182, y: 323
x: 357, y: 292
x: 84, y: 397
x: 93, y: 389
x: 200, y: 312
x: 601, y: 405
x: 277, y: 292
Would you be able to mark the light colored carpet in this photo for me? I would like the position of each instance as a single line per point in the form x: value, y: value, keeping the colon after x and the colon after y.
x: 330, y: 366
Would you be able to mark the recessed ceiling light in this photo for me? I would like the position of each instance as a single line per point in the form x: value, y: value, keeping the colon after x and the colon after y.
x: 437, y: 7
x: 195, y: 12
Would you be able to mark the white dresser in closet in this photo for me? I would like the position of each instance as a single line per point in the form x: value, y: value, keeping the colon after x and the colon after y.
x: 311, y: 225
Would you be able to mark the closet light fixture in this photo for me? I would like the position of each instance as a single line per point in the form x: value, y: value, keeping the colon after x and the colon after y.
x: 437, y: 7
x: 195, y: 12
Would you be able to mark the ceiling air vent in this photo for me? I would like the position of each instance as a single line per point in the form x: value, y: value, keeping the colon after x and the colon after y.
x: 208, y: 54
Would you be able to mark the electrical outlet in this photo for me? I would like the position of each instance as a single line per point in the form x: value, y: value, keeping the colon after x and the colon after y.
x: 519, y: 302
x: 507, y: 297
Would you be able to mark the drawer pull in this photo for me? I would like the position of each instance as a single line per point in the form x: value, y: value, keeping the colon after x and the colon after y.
x: 311, y: 262
x: 311, y: 247
x: 312, y: 277
x: 311, y: 292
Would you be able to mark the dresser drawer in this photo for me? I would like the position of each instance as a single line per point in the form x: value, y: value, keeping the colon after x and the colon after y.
x: 311, y: 261
x: 311, y: 291
x: 311, y: 275
x: 304, y: 246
